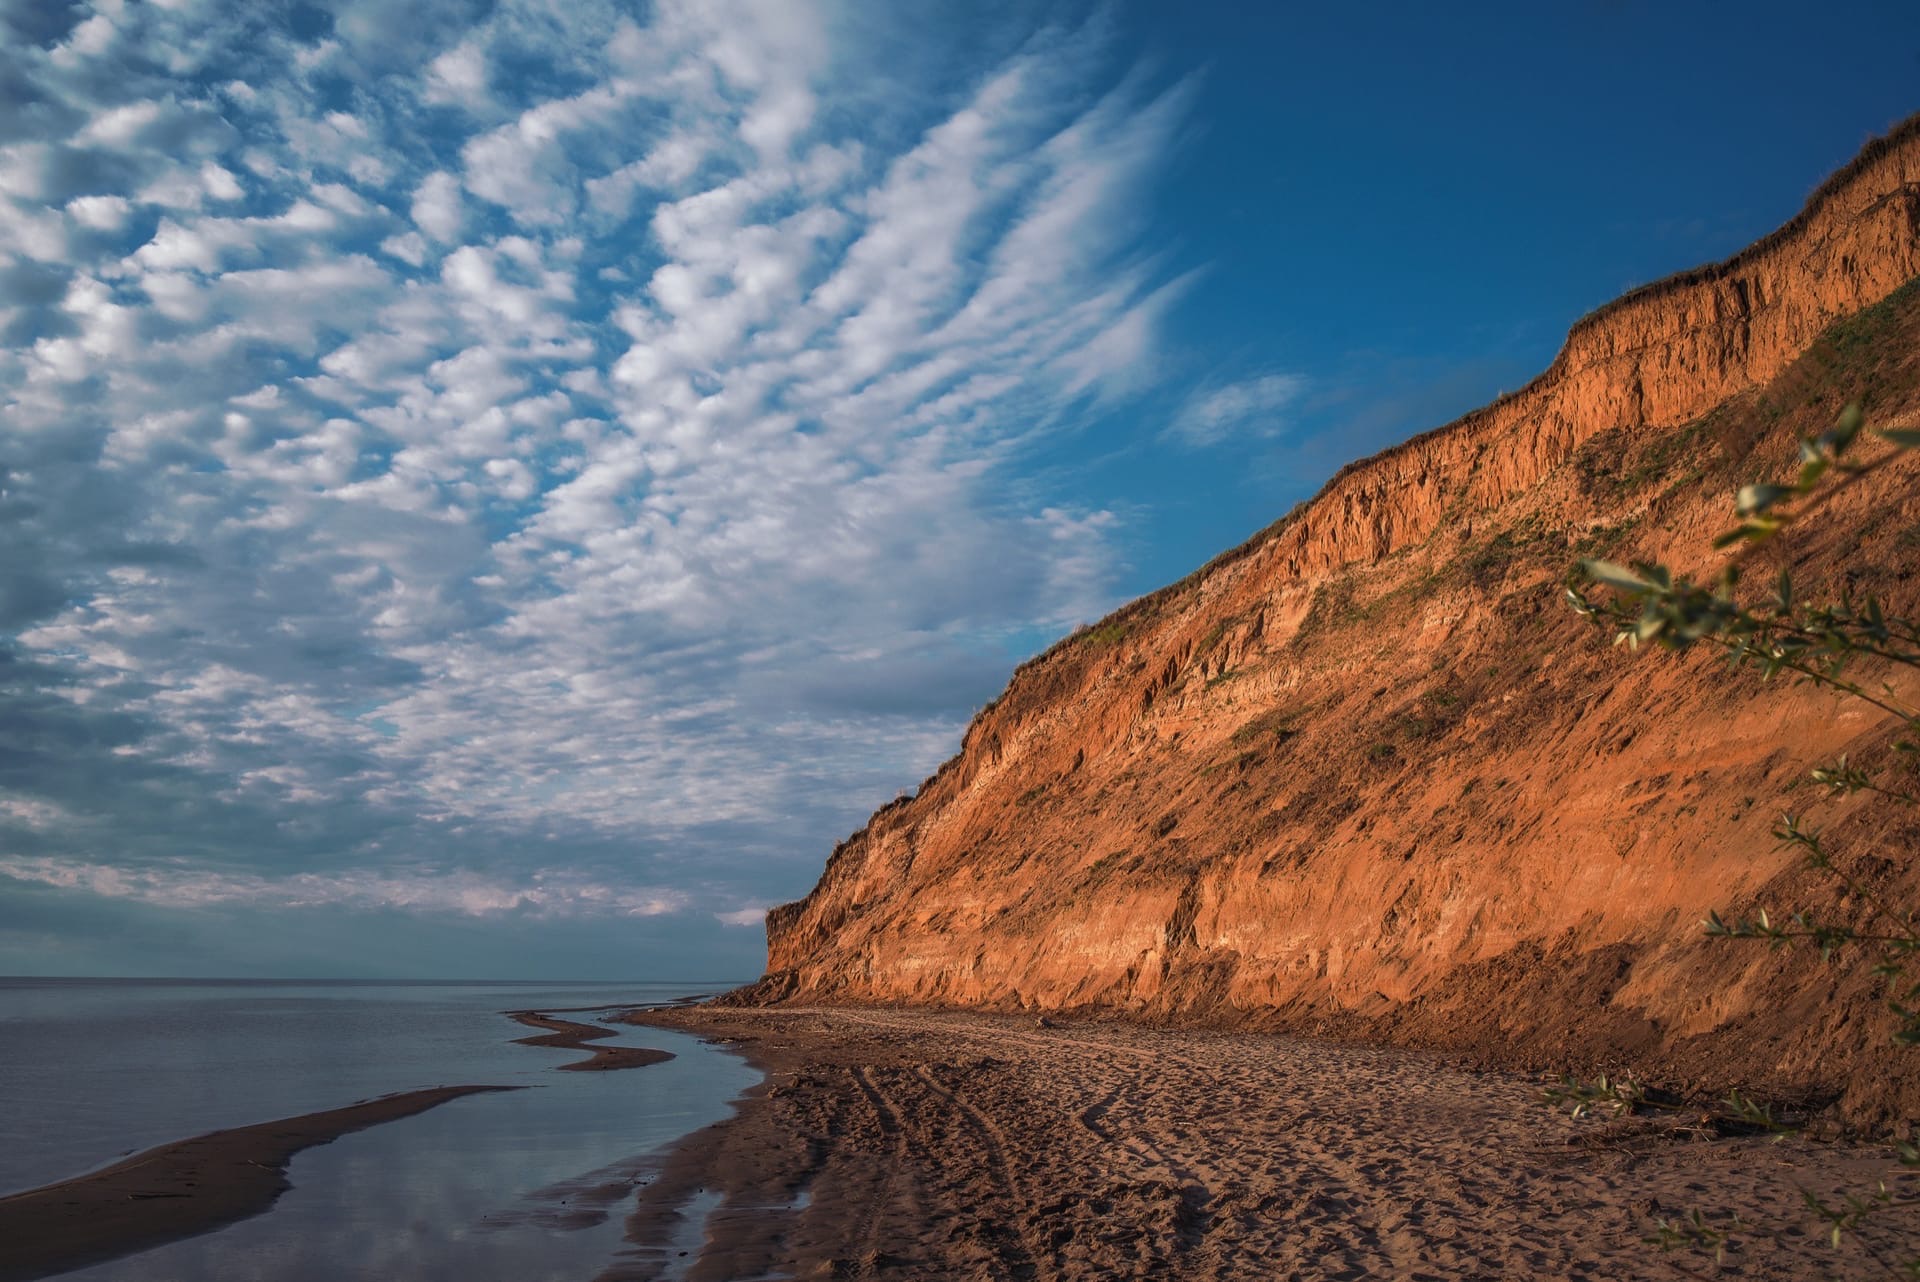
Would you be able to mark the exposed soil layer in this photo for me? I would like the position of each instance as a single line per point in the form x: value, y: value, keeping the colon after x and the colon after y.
x: 929, y: 1145
x: 1367, y: 776
x: 567, y: 1034
x: 181, y: 1189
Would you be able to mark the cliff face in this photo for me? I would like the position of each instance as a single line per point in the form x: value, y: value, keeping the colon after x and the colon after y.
x: 1365, y: 775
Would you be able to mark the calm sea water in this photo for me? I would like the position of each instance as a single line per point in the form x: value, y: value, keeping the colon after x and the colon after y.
x: 519, y: 1185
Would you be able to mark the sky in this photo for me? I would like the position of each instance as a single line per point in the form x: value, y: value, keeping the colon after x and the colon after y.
x: 499, y: 489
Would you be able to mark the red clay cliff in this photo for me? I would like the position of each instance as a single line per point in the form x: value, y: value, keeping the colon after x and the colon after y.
x: 1365, y: 774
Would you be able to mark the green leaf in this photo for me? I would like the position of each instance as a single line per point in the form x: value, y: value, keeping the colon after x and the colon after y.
x: 1614, y: 576
x: 1756, y: 531
x: 1905, y: 438
x: 1847, y: 426
x: 1754, y: 499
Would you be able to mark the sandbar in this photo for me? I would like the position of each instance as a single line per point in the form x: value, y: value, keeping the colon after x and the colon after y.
x: 180, y: 1189
x: 566, y: 1034
x: 193, y: 1186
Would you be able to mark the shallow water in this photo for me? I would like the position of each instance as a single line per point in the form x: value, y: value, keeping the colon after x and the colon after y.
x: 91, y: 1070
x: 514, y: 1186
x: 523, y: 1186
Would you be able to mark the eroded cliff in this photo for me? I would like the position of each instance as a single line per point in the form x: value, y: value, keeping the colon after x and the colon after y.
x: 1365, y: 775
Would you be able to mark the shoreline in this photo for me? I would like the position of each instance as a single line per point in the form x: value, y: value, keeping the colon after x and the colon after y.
x: 181, y: 1189
x: 910, y: 1143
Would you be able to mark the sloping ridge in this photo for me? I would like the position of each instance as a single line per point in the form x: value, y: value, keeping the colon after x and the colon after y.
x: 1658, y: 356
x: 1362, y: 775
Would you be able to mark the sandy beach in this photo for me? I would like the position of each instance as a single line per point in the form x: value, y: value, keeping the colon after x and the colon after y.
x: 919, y: 1144
x: 908, y: 1144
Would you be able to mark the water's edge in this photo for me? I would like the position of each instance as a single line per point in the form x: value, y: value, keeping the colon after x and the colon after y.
x: 526, y: 1184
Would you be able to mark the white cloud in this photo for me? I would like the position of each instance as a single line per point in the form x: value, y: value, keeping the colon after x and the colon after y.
x: 628, y: 525
x: 437, y: 207
x: 118, y: 126
x: 459, y: 75
x: 408, y: 247
x: 102, y: 213
x: 33, y: 814
x: 542, y: 894
x: 220, y: 182
x: 1251, y: 407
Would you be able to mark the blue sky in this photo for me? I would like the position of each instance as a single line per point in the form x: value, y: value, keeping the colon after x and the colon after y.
x: 499, y: 489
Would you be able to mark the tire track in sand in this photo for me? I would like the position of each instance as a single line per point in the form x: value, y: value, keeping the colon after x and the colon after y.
x: 867, y: 1232
x: 1196, y: 1193
x: 1331, y: 1162
x: 1029, y: 1256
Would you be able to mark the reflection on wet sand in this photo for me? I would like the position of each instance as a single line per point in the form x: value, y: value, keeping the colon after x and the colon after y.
x: 182, y: 1189
x: 523, y: 1186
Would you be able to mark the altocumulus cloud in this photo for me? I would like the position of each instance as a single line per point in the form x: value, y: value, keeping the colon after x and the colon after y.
x: 550, y: 459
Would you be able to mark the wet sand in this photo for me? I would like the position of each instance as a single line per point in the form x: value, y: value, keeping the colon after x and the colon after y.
x: 565, y: 1034
x: 181, y: 1189
x: 907, y: 1144
x: 197, y: 1185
